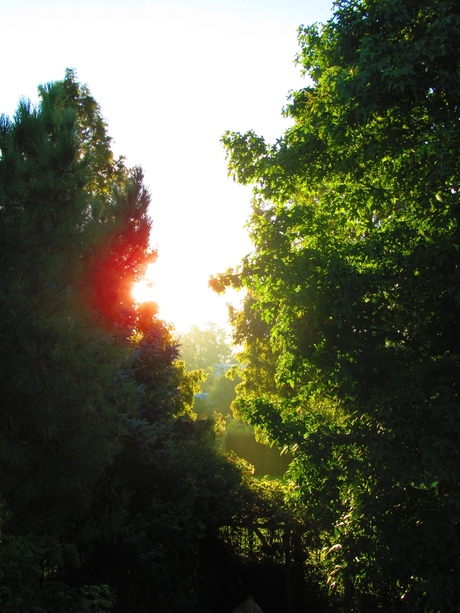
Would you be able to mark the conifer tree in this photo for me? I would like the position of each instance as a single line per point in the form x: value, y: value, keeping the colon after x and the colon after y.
x: 74, y: 234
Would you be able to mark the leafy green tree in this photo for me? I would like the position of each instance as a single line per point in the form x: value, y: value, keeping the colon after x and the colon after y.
x: 29, y: 580
x: 201, y: 350
x: 204, y: 348
x: 355, y: 274
x: 223, y: 393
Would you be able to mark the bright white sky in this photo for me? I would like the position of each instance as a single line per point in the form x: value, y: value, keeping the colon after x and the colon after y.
x: 171, y: 77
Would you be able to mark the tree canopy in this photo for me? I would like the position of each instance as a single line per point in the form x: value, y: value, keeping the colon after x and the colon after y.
x: 202, y: 348
x: 353, y: 293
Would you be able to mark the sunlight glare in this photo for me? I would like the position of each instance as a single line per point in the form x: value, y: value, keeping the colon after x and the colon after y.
x: 185, y: 304
x: 143, y: 291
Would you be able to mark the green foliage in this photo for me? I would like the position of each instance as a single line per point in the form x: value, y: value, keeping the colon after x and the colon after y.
x: 201, y: 349
x: 58, y: 420
x: 29, y: 580
x: 222, y: 394
x: 350, y: 325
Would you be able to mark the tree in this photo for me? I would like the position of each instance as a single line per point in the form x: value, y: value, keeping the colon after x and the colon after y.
x: 51, y: 405
x: 355, y: 273
x: 204, y: 348
x: 74, y: 234
x: 201, y: 350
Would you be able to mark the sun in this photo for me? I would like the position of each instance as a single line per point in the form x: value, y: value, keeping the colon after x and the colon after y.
x: 181, y: 299
x: 143, y: 291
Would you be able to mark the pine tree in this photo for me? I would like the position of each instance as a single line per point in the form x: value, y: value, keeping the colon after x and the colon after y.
x: 74, y: 234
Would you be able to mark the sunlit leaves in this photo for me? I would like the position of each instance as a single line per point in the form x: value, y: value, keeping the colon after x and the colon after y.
x: 354, y: 273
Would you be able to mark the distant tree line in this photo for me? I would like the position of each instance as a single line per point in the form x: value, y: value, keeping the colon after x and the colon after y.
x: 205, y: 349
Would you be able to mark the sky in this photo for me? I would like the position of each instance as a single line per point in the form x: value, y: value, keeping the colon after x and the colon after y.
x: 171, y: 77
